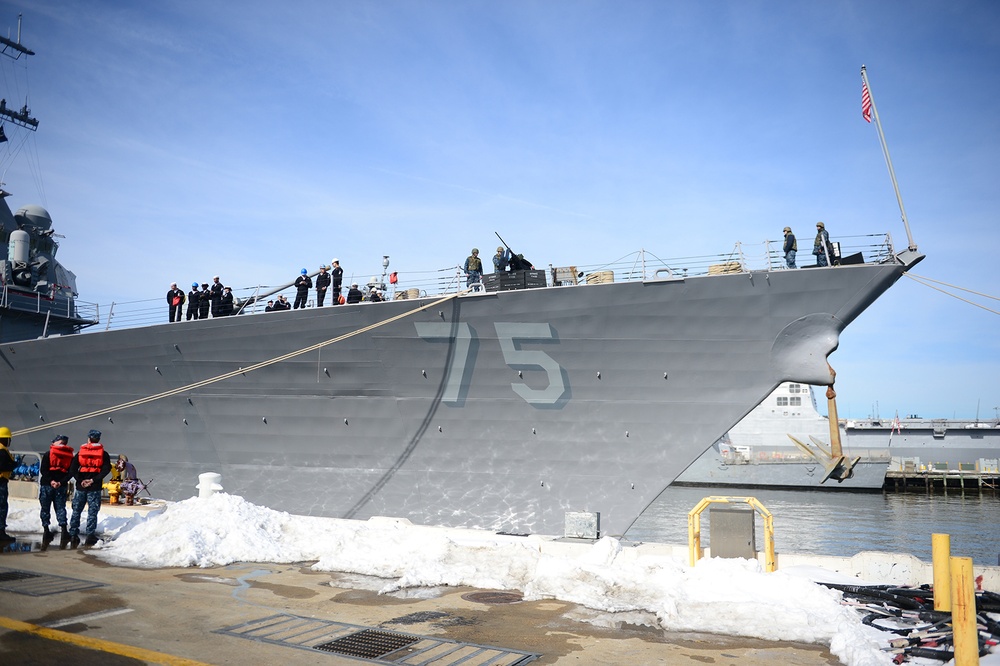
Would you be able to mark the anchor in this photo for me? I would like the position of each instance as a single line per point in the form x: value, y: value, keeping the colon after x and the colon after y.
x: 837, y: 465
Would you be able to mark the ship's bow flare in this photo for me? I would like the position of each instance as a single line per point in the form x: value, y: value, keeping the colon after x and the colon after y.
x: 800, y: 350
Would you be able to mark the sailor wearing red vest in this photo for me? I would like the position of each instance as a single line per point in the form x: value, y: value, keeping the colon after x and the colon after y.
x: 54, y: 472
x: 6, y: 467
x: 90, y: 465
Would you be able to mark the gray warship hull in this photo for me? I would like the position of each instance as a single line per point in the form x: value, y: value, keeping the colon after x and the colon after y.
x: 494, y: 410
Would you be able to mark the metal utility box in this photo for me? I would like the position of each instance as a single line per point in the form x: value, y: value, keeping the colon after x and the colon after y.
x: 583, y: 525
x: 731, y: 532
x: 514, y: 280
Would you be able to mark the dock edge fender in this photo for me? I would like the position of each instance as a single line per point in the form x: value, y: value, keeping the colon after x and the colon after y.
x: 799, y: 351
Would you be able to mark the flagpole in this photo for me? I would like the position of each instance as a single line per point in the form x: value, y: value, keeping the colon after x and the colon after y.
x: 888, y: 160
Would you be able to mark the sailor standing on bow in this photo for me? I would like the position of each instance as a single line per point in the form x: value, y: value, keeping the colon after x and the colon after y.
x: 790, y: 247
x: 821, y: 246
x: 337, y: 275
x: 194, y: 302
x: 175, y: 299
x: 473, y: 268
x: 303, y: 283
x: 204, y: 301
x: 501, y: 259
x: 322, y: 284
x: 216, y: 296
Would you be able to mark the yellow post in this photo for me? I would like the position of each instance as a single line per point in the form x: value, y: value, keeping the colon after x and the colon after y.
x: 940, y: 556
x: 770, y: 559
x: 963, y: 612
x: 694, y: 530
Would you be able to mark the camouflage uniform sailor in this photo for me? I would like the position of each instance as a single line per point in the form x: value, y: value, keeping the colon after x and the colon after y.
x: 821, y: 246
x: 501, y: 259
x: 473, y: 268
x: 790, y: 247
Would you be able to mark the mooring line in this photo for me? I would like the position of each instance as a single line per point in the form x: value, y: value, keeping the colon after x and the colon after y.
x: 926, y: 282
x: 234, y: 373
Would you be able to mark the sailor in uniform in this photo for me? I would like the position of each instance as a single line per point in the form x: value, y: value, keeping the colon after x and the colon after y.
x: 194, y: 302
x: 175, y: 299
x: 337, y: 277
x: 322, y: 284
x: 303, y: 283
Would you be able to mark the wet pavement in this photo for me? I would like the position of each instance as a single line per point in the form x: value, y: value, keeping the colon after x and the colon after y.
x: 63, y: 605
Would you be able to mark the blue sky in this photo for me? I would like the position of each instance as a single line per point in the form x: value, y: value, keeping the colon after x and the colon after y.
x: 180, y: 139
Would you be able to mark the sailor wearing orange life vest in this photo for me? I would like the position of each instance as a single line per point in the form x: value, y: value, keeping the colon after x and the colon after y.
x: 6, y: 467
x: 90, y: 465
x: 54, y: 473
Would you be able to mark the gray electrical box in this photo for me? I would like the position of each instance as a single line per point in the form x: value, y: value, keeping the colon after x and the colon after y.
x: 731, y: 531
x: 583, y: 525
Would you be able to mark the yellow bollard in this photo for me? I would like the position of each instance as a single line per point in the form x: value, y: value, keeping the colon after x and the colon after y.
x: 695, y: 550
x: 941, y: 554
x: 963, y: 612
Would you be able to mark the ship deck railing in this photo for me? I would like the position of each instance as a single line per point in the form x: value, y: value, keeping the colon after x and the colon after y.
x: 80, y: 312
x: 641, y: 265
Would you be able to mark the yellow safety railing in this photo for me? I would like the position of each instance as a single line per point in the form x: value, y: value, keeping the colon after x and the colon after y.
x: 694, y: 527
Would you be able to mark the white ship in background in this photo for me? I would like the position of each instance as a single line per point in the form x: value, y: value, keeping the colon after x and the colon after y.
x: 758, y: 452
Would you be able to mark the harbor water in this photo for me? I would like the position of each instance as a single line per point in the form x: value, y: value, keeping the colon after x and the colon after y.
x: 843, y: 524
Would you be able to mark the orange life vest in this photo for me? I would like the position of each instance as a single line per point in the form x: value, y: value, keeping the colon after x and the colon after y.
x: 60, y: 457
x: 91, y: 457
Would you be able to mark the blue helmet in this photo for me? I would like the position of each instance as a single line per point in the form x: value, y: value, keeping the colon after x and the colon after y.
x: 304, y: 271
x: 94, y: 435
x: 194, y: 284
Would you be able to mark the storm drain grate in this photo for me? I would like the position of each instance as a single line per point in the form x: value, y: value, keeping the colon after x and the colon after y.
x: 7, y: 576
x: 368, y: 643
x: 40, y: 585
x: 376, y: 646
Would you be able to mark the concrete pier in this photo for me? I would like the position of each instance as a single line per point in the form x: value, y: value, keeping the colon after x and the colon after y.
x: 181, y: 616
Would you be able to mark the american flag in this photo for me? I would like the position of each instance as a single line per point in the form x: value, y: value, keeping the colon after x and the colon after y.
x: 866, y: 102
